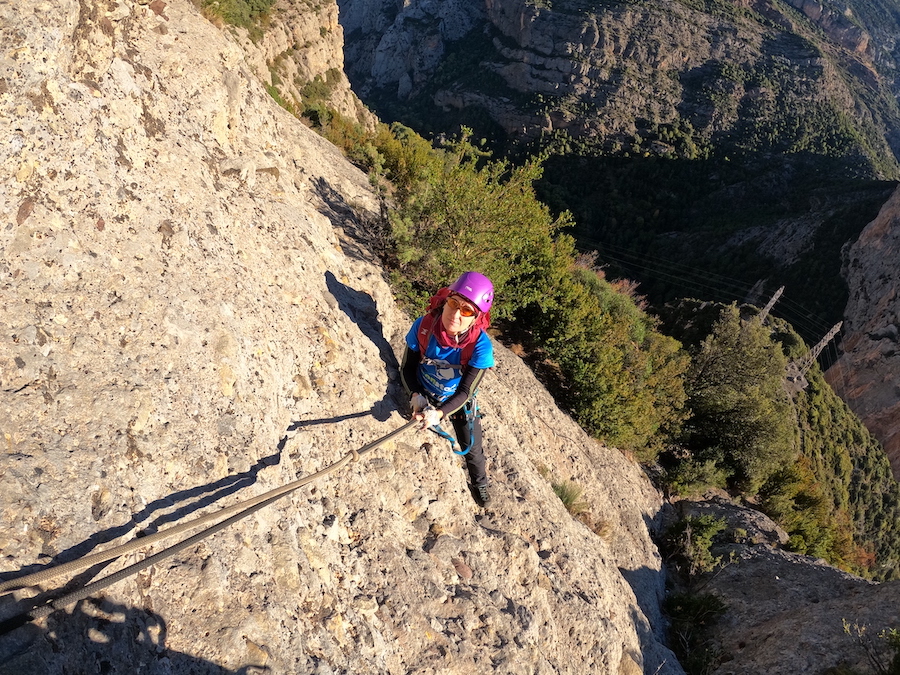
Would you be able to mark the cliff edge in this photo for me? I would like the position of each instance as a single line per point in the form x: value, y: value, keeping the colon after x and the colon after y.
x: 867, y: 373
x: 189, y: 318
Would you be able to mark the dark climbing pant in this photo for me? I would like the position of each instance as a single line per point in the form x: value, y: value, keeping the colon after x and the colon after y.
x: 467, y: 425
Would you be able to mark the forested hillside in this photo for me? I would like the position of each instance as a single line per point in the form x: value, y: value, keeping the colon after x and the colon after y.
x: 749, y: 141
x: 802, y: 456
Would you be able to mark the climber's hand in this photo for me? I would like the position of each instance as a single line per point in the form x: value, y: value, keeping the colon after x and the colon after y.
x: 430, y: 417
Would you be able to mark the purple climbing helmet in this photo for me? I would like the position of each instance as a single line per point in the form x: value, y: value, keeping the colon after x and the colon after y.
x: 476, y: 288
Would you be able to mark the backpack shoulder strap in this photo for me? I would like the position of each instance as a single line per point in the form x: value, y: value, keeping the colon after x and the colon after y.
x: 424, y: 335
x: 467, y: 352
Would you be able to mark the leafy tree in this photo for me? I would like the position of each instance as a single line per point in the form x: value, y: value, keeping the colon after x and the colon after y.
x: 468, y: 212
x: 851, y: 472
x: 624, y: 379
x: 796, y: 499
x: 740, y: 413
x: 411, y: 163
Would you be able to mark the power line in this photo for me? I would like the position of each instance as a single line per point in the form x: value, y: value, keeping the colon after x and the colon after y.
x: 703, y: 283
x: 665, y: 266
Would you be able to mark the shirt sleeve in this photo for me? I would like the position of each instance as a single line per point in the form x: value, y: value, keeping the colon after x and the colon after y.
x: 412, y: 337
x: 483, y: 353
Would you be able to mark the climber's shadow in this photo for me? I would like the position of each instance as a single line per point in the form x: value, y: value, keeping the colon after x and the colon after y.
x: 100, y: 636
x: 363, y: 233
x: 361, y: 309
x: 333, y: 205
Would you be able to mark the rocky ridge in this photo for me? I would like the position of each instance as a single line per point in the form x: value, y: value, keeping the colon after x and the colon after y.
x: 302, y: 44
x: 867, y: 373
x: 190, y: 317
x: 613, y: 72
x: 785, y: 613
x: 837, y: 26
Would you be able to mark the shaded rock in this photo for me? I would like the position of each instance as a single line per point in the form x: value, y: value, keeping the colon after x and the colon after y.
x: 743, y: 524
x: 867, y: 373
x: 786, y: 613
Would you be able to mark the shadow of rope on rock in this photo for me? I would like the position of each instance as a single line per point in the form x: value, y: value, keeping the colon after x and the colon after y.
x: 208, y: 494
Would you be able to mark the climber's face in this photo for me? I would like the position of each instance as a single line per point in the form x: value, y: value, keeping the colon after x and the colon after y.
x: 458, y: 315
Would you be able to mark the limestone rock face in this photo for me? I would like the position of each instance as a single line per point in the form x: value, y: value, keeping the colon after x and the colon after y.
x: 303, y: 42
x: 188, y: 317
x: 402, y: 45
x: 784, y: 613
x: 868, y: 372
x: 837, y: 26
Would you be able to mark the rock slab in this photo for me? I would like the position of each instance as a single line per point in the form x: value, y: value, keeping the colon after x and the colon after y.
x: 189, y: 316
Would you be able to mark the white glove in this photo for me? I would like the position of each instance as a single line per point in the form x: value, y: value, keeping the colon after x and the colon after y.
x: 431, y: 417
x: 418, y: 402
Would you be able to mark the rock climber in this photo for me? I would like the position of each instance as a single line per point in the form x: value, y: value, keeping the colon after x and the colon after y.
x: 447, y: 353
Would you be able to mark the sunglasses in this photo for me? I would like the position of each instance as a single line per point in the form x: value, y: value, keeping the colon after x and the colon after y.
x: 463, y: 308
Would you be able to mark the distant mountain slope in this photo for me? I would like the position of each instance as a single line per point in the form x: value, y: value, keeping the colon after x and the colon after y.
x: 680, y: 79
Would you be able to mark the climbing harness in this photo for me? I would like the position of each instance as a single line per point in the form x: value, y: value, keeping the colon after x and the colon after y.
x: 471, y: 411
x: 233, y: 513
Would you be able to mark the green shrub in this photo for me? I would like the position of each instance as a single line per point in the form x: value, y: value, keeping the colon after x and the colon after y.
x: 882, y: 654
x: 691, y: 615
x: 320, y: 88
x: 624, y: 380
x: 279, y: 99
x: 570, y: 495
x: 248, y: 14
x: 474, y: 214
x: 689, y: 477
x: 741, y: 417
x: 688, y: 545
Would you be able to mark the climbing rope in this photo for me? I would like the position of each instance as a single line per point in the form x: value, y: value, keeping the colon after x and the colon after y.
x: 235, y: 513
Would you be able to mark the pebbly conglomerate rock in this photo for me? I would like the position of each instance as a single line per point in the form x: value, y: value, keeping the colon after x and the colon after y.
x: 188, y: 317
